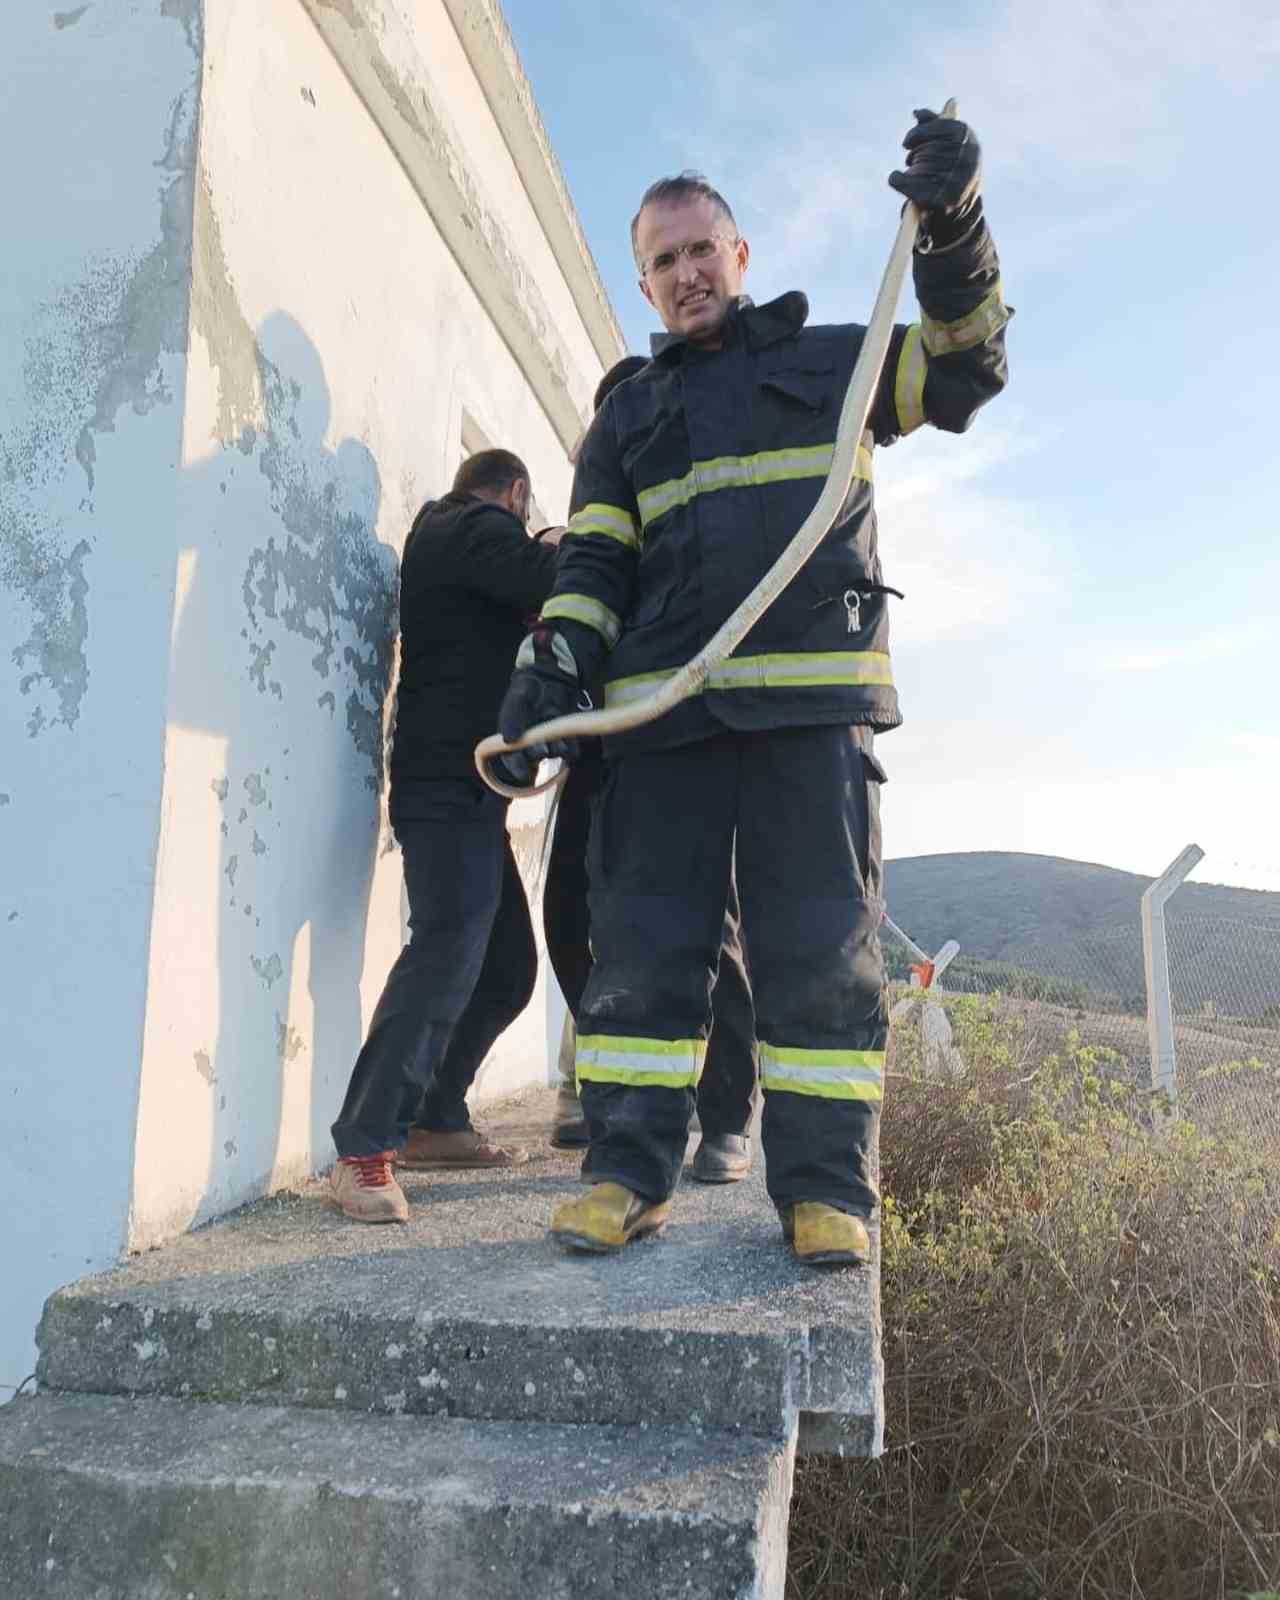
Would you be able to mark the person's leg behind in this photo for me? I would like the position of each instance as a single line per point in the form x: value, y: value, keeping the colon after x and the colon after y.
x: 659, y: 865
x: 442, y: 1136
x: 452, y: 834
x: 567, y: 925
x: 727, y: 1088
x: 812, y: 918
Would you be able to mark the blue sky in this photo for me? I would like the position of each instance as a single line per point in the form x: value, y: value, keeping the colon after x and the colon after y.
x: 1089, y: 652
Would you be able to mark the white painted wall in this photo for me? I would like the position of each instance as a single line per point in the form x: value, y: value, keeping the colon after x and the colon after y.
x: 96, y: 120
x: 188, y: 1001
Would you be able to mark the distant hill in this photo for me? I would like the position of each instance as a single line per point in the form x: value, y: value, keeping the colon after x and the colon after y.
x: 1075, y: 921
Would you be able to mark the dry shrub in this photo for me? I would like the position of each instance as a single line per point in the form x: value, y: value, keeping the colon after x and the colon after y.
x: 1082, y: 1349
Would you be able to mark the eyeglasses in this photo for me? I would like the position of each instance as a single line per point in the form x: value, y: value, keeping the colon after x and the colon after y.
x: 696, y: 250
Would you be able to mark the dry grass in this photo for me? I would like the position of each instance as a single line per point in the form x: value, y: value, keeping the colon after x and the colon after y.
x: 1082, y: 1346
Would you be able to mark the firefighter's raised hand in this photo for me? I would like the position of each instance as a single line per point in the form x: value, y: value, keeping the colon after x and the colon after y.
x: 544, y: 685
x: 943, y: 172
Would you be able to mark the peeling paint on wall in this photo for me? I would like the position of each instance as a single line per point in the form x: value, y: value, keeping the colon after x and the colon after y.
x: 289, y: 1042
x: 204, y: 1066
x: 94, y: 349
x: 68, y: 19
x: 270, y: 970
x: 327, y: 579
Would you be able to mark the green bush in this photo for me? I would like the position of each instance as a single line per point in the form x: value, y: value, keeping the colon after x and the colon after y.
x: 1081, y: 1308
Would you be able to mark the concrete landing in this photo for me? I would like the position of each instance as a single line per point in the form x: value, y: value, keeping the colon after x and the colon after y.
x: 112, y: 1499
x: 471, y: 1311
x: 287, y: 1403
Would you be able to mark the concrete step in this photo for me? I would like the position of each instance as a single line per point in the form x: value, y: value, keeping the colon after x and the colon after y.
x: 471, y: 1311
x: 156, y: 1499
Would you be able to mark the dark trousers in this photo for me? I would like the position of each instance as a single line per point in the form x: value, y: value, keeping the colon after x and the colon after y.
x: 465, y: 975
x: 796, y: 812
x: 726, y: 1090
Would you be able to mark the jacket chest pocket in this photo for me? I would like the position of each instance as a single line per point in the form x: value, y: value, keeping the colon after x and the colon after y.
x: 796, y: 406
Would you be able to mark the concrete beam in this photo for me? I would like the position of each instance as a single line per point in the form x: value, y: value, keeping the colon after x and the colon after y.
x: 382, y: 63
x: 485, y: 37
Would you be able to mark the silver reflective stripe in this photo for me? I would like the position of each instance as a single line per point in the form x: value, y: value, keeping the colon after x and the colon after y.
x: 614, y: 522
x: 820, y: 1075
x: 582, y: 608
x: 986, y: 319
x: 747, y: 472
x: 819, y: 670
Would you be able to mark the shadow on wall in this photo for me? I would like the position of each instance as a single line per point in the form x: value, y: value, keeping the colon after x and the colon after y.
x: 282, y: 651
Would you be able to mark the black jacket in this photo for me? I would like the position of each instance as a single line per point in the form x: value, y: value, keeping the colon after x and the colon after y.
x: 469, y: 578
x: 696, y: 473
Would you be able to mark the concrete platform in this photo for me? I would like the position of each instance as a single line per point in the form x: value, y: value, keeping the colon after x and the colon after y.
x: 472, y: 1312
x: 113, y: 1499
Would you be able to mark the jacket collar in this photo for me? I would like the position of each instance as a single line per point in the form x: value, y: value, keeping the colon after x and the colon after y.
x: 762, y: 325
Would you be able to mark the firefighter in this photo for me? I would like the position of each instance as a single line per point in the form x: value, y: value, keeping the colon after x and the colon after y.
x: 689, y: 485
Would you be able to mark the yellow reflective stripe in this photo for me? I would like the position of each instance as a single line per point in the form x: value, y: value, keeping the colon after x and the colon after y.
x: 582, y: 608
x: 624, y: 691
x: 614, y: 522
x: 986, y: 319
x: 816, y: 670
x: 819, y: 669
x: 908, y: 381
x: 746, y: 472
x: 642, y: 1063
x: 828, y: 1074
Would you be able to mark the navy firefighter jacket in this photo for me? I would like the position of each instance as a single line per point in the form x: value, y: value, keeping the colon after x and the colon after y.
x: 696, y: 473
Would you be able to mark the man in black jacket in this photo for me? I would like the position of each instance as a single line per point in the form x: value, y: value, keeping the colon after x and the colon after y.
x: 469, y: 578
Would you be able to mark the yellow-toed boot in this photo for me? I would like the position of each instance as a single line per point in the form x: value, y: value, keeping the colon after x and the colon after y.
x: 822, y: 1236
x: 606, y: 1218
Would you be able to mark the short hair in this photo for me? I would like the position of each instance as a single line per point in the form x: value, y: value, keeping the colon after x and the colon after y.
x: 618, y: 373
x: 684, y: 186
x: 489, y: 472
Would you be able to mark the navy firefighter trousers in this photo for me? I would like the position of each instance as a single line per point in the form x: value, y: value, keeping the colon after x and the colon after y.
x: 796, y: 812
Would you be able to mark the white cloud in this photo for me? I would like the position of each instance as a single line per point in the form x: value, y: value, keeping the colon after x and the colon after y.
x: 1214, y: 646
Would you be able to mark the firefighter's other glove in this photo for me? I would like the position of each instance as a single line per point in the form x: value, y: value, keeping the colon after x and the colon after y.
x: 943, y: 174
x: 545, y: 684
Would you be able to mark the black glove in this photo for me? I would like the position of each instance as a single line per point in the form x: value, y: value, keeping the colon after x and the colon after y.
x: 544, y: 685
x: 943, y: 175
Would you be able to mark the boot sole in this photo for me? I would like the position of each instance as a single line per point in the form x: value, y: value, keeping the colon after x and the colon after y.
x: 567, y: 1139
x: 598, y: 1247
x: 734, y: 1176
x: 460, y: 1166
x: 354, y: 1216
x: 833, y: 1258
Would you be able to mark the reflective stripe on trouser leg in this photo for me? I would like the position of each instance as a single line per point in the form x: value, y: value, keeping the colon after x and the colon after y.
x: 810, y: 919
x: 659, y: 862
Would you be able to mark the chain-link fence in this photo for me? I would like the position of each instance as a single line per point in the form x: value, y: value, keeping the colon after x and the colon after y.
x: 1224, y: 983
x: 1224, y: 979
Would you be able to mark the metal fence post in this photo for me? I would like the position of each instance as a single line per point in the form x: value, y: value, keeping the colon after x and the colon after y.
x: 1155, y: 954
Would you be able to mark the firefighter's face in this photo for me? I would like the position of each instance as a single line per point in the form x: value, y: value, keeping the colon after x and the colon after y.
x: 692, y: 263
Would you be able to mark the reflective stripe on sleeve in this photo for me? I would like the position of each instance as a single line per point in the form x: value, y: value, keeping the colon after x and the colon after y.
x: 908, y: 381
x: 746, y: 472
x: 614, y: 522
x: 641, y: 1063
x: 813, y: 670
x: 986, y: 319
x: 582, y: 608
x: 828, y: 1074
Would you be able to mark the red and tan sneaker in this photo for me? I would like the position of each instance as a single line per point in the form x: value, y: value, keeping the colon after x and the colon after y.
x: 429, y: 1151
x: 366, y: 1190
